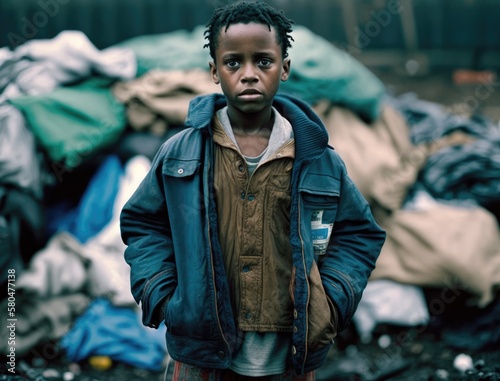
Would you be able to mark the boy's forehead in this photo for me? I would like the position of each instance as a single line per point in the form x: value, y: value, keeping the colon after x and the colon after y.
x: 256, y: 32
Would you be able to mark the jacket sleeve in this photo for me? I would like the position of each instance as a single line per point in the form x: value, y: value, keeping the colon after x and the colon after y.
x: 145, y: 229
x: 353, y: 249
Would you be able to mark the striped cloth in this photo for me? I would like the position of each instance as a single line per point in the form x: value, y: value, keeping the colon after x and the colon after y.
x: 185, y: 372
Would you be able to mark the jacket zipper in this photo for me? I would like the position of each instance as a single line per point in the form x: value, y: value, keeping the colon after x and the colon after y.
x: 215, y: 288
x: 212, y: 260
x: 307, y: 283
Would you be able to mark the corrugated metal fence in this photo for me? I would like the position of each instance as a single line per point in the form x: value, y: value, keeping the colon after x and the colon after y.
x: 365, y: 24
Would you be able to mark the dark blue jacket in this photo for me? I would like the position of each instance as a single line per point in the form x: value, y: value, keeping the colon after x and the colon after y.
x: 170, y: 227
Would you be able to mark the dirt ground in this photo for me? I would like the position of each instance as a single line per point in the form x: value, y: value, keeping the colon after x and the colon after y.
x: 395, y: 353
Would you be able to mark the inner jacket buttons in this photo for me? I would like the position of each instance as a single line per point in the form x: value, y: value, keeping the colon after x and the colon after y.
x: 251, y: 197
x: 295, y: 314
x: 221, y: 355
x: 246, y: 269
x: 241, y: 168
x: 294, y: 350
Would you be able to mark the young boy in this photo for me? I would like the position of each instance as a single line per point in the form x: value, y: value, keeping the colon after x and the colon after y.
x: 247, y: 236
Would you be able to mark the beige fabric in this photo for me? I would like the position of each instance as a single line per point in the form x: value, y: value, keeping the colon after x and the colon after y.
x: 159, y: 99
x: 443, y: 246
x: 380, y: 158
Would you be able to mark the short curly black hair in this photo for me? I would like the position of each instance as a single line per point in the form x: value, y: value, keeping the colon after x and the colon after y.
x: 245, y: 12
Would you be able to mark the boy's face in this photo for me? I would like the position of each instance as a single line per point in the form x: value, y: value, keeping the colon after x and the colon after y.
x: 249, y: 66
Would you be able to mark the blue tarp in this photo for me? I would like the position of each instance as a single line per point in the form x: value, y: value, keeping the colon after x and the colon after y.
x: 95, y: 207
x: 117, y: 332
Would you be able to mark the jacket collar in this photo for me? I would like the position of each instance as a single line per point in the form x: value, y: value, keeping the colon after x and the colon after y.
x: 311, y: 137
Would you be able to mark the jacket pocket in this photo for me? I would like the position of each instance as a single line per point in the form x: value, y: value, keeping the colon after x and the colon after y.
x: 179, y: 167
x: 321, y: 192
x: 322, y: 320
x: 279, y: 204
x: 154, y: 290
x: 320, y: 196
x: 279, y: 218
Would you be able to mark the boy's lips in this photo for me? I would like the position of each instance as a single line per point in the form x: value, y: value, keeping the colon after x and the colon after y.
x: 250, y: 94
x: 250, y: 91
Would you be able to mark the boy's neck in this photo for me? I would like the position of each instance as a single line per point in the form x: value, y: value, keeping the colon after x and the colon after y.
x: 251, y: 130
x: 254, y: 124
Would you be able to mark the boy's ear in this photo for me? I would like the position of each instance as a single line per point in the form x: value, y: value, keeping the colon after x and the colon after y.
x: 285, y: 69
x: 213, y: 72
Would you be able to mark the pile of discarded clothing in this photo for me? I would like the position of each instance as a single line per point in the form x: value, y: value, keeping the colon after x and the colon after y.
x: 80, y: 126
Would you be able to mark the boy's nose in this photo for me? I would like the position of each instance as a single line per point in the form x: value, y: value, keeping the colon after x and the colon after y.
x: 249, y: 74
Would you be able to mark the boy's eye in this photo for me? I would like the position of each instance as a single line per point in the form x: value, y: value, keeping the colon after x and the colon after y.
x: 232, y: 64
x: 265, y: 62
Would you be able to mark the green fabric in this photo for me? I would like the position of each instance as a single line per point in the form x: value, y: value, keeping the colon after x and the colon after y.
x: 72, y: 123
x: 179, y: 50
x: 319, y: 70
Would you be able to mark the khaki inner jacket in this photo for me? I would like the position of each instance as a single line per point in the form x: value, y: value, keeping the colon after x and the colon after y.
x: 254, y: 234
